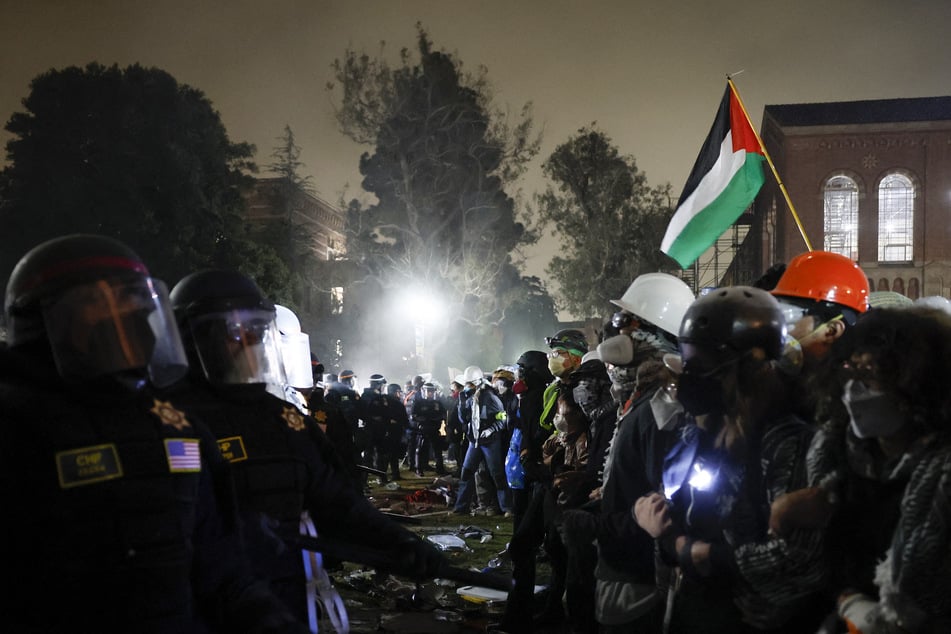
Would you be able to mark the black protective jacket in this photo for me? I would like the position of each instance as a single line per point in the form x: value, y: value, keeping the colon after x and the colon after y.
x: 284, y: 465
x: 120, y: 513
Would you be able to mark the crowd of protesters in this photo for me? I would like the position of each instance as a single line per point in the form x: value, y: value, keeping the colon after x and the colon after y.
x: 764, y: 458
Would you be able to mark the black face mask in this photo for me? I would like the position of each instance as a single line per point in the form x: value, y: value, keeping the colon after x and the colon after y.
x: 700, y: 394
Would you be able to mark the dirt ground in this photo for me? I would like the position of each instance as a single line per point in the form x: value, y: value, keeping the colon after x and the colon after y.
x: 385, y: 603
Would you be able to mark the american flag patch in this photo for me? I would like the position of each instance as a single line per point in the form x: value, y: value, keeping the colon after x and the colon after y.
x: 183, y: 455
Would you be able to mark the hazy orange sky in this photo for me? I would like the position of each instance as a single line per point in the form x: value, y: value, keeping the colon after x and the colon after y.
x: 649, y: 73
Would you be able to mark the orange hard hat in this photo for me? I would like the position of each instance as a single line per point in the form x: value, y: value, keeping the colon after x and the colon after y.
x: 825, y: 277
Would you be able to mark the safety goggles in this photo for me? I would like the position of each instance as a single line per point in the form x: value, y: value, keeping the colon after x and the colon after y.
x: 624, y: 319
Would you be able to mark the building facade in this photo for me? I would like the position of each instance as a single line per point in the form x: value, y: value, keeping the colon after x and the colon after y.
x: 309, y: 234
x: 869, y: 179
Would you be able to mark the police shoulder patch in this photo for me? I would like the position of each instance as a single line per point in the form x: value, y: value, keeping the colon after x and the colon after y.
x: 232, y: 448
x: 295, y: 420
x: 169, y: 414
x: 88, y: 465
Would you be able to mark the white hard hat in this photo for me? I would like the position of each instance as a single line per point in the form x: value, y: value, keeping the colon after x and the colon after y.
x: 659, y: 298
x: 473, y: 374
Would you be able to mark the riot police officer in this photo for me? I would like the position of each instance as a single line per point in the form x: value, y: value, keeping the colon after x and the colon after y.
x: 430, y: 416
x: 115, y: 494
x: 288, y: 476
x: 341, y: 395
x: 375, y: 413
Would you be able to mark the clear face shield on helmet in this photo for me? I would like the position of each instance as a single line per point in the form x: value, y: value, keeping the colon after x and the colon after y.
x: 295, y: 354
x: 114, y: 326
x: 239, y: 346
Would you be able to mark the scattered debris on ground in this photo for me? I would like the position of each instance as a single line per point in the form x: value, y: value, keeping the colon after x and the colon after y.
x: 380, y: 602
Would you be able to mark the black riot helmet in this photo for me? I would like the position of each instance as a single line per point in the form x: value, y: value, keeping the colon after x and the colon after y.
x: 229, y: 327
x: 377, y: 382
x: 92, y: 299
x: 724, y: 324
x: 533, y: 364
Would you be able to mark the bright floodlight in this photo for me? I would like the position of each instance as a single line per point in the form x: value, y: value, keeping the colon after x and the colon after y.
x: 422, y: 307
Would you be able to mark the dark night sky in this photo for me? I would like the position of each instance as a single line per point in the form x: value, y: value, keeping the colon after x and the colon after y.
x: 649, y: 73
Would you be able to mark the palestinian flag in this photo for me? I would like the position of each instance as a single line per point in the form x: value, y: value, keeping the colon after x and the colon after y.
x: 724, y: 181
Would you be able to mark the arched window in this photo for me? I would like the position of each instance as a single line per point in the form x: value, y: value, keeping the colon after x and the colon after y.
x: 896, y: 218
x: 841, y: 212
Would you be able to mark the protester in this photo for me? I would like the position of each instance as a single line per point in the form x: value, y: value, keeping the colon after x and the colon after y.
x: 624, y: 594
x: 528, y: 435
x: 484, y: 417
x: 745, y: 450
x: 881, y: 474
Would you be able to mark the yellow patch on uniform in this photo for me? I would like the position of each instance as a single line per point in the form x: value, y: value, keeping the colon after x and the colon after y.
x: 169, y: 415
x: 321, y: 416
x: 232, y: 448
x: 295, y: 420
x: 88, y: 465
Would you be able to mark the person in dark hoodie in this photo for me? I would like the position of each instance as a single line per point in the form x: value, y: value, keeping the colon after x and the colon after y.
x: 592, y: 391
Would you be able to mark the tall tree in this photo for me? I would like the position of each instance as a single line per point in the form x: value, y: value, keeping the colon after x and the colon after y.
x: 286, y: 163
x: 443, y: 156
x: 609, y: 221
x: 133, y: 154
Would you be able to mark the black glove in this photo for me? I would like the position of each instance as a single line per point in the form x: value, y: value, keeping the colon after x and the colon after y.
x: 421, y: 560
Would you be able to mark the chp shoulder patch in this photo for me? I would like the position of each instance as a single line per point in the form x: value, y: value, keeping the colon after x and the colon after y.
x: 170, y: 415
x: 232, y: 448
x: 321, y: 416
x: 295, y: 420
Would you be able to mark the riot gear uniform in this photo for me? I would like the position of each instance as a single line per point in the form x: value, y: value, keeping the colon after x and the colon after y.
x: 429, y: 415
x: 284, y: 466
x: 376, y: 415
x: 130, y: 526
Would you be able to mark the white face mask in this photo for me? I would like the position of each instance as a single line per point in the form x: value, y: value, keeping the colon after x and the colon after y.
x: 560, y: 423
x: 872, y: 414
x: 666, y: 409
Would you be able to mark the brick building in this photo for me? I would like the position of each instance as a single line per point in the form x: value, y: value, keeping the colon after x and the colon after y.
x: 309, y: 233
x: 318, y: 226
x: 869, y: 179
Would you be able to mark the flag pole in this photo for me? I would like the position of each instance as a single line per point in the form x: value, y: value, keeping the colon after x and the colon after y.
x: 769, y: 160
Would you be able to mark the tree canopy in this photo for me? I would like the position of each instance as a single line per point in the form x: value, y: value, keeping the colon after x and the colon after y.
x: 442, y: 158
x: 133, y: 154
x: 609, y: 221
